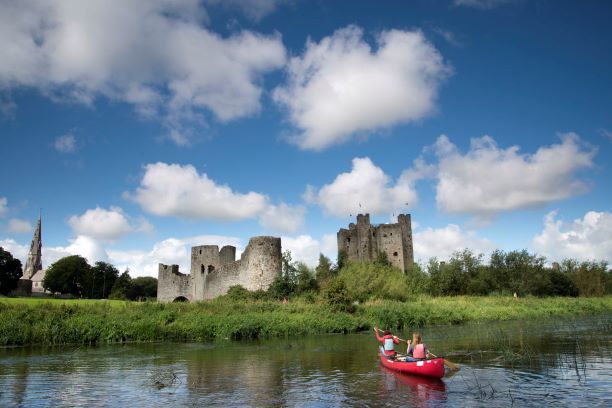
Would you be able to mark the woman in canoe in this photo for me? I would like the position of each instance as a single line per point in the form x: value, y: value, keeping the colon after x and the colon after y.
x: 388, y: 340
x: 416, y: 349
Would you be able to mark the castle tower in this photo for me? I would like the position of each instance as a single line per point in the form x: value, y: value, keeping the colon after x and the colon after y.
x: 362, y: 242
x: 34, y: 261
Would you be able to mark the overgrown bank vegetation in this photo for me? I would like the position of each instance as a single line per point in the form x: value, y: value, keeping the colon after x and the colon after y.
x: 53, y: 322
x: 342, y: 298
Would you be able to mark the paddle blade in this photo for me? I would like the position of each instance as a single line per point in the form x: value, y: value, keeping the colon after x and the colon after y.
x: 451, y: 365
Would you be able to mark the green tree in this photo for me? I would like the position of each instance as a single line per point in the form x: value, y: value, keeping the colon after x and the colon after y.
x: 288, y: 266
x: 324, y: 270
x: 337, y: 297
x: 342, y: 259
x: 102, y: 278
x: 69, y: 275
x: 305, y: 279
x: 447, y: 279
x: 281, y: 288
x: 10, y: 272
x: 561, y: 284
x: 142, y: 288
x: 285, y: 285
x: 418, y: 280
x: 364, y: 281
x: 590, y: 278
x: 121, y: 287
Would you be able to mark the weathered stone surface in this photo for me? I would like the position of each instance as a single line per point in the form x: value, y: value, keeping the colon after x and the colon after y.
x: 363, y: 241
x: 214, y: 271
x: 34, y: 261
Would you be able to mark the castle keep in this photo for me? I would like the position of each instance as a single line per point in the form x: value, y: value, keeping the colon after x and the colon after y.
x: 214, y: 271
x: 363, y: 242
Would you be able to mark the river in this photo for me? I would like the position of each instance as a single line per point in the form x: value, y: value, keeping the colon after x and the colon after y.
x: 560, y: 362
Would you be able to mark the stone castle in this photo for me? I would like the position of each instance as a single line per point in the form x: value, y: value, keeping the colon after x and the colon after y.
x: 363, y: 242
x: 214, y: 271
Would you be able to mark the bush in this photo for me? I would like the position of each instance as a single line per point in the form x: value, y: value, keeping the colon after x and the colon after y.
x: 238, y: 292
x: 367, y: 281
x: 337, y: 297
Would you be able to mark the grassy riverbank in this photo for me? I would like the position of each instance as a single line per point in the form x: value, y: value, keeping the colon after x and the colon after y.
x: 51, y: 322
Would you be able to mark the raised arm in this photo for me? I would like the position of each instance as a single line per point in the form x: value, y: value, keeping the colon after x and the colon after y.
x: 377, y: 336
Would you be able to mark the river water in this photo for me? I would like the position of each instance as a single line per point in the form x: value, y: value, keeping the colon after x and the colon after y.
x: 561, y: 362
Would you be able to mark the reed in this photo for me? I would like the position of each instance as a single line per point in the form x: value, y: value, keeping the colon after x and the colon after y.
x: 54, y: 321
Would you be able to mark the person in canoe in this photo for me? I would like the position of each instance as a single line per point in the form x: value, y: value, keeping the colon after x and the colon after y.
x: 388, y: 340
x: 416, y: 349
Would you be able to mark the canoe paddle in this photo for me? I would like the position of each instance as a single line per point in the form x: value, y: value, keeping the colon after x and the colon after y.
x: 447, y: 363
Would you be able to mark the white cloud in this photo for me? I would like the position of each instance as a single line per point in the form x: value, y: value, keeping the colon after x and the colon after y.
x: 180, y: 191
x: 154, y: 54
x: 3, y: 206
x: 483, y: 4
x: 101, y: 224
x: 366, y: 188
x: 283, y: 217
x: 65, y: 143
x: 171, y: 251
x: 305, y: 248
x: 140, y: 262
x: 341, y: 87
x: 16, y: 249
x: 172, y: 189
x: 489, y: 179
x: 19, y: 226
x: 606, y: 133
x: 449, y: 36
x: 589, y: 238
x: 442, y: 242
x: 81, y: 245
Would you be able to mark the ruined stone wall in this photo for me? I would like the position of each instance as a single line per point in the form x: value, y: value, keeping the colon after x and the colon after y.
x: 227, y: 255
x: 171, y: 284
x: 390, y: 242
x: 362, y: 241
x: 259, y: 265
x: 213, y: 272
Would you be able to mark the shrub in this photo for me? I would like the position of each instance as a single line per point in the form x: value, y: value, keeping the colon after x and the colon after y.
x: 366, y: 281
x: 336, y: 295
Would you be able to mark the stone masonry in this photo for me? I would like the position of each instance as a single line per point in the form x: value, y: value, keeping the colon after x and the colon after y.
x: 363, y: 242
x: 214, y: 271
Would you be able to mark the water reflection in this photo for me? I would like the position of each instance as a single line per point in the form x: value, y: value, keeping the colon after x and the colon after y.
x: 564, y: 363
x: 419, y: 391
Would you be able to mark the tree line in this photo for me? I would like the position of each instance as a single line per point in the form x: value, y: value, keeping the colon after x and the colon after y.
x: 465, y: 273
x: 72, y: 275
x: 340, y: 284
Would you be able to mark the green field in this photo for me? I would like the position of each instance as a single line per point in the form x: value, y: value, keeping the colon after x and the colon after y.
x: 36, y: 321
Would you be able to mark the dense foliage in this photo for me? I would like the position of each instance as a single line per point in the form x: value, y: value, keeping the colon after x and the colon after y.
x: 10, y: 272
x: 72, y: 275
x: 53, y: 321
x: 126, y: 288
x: 506, y: 273
x: 69, y: 275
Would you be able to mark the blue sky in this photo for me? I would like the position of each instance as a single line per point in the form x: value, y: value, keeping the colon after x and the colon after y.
x: 141, y: 129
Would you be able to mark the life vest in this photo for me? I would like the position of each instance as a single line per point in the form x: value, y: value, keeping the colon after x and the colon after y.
x: 388, y: 343
x: 419, y: 351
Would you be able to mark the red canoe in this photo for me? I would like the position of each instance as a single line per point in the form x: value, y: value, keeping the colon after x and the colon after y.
x: 428, y: 368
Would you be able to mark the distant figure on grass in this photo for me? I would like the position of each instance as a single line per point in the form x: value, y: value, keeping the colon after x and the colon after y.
x: 388, y: 340
x: 416, y: 349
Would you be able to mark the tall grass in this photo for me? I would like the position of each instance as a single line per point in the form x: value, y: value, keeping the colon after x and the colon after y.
x: 52, y: 322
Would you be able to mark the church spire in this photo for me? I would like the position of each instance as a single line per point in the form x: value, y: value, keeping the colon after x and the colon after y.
x: 34, y: 262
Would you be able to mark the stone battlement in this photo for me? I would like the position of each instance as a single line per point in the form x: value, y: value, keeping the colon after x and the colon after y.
x: 214, y: 271
x: 363, y: 241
